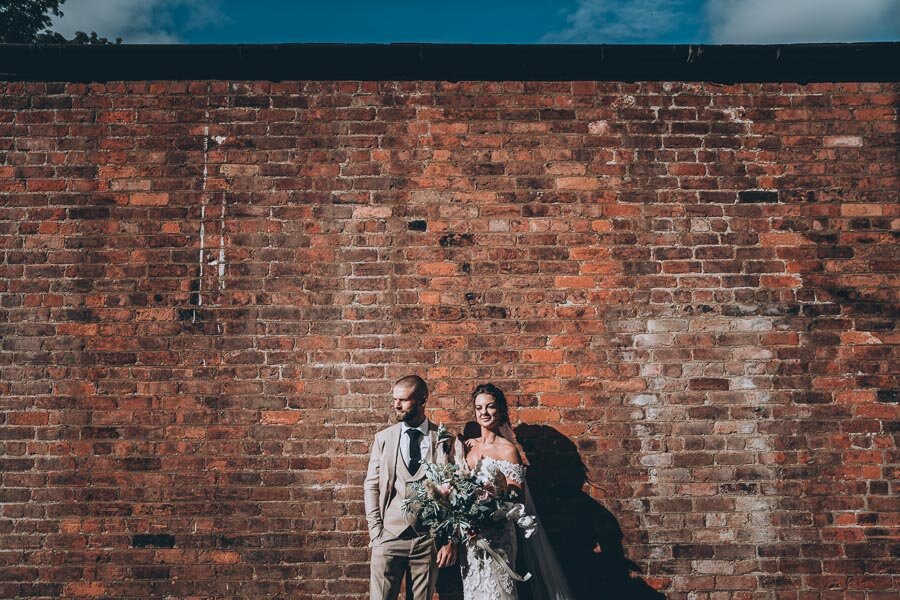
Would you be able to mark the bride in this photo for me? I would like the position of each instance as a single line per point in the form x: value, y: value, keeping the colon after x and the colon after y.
x: 495, y: 454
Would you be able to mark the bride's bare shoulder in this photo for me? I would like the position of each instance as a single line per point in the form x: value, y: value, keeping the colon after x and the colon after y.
x: 508, y: 452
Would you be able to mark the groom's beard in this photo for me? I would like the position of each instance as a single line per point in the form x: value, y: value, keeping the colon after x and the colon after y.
x: 404, y: 415
x: 407, y: 415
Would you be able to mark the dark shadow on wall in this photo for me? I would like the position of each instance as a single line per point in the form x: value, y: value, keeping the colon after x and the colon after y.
x: 587, y: 537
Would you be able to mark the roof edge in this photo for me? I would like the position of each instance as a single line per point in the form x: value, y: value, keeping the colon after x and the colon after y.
x: 801, y: 63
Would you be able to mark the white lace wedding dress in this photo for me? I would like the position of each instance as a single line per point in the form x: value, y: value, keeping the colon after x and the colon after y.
x: 483, y: 578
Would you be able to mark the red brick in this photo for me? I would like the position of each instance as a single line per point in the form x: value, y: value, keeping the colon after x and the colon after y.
x: 717, y: 375
x: 547, y: 356
x: 584, y: 88
x: 560, y: 399
x: 149, y: 199
x: 861, y: 210
x: 82, y: 589
x: 574, y: 282
x: 577, y: 183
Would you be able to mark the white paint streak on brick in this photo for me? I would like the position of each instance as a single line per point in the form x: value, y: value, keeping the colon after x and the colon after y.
x: 748, y: 353
x: 598, y: 127
x: 649, y: 340
x: 203, y: 217
x: 744, y: 383
x: 752, y: 324
x: 222, y: 246
x: 663, y: 325
x: 843, y: 141
x: 656, y: 460
x: 642, y: 399
x: 659, y: 419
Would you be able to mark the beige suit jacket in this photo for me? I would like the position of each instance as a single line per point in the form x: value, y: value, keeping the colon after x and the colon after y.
x: 380, y: 475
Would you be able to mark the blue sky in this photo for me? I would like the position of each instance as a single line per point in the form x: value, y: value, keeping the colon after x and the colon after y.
x: 486, y: 21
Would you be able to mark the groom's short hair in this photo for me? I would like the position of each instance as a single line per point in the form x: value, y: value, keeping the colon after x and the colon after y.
x: 416, y: 383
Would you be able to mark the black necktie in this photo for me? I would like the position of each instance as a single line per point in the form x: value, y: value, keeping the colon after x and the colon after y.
x: 415, y: 451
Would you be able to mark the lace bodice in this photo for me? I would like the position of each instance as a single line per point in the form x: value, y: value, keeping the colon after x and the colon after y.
x: 487, y: 469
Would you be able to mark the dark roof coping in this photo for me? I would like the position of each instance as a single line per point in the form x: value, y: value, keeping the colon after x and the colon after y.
x: 802, y: 63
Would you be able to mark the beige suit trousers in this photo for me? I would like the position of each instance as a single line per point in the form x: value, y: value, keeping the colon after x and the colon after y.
x: 393, y: 558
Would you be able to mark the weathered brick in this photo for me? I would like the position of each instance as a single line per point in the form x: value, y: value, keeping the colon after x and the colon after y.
x: 686, y: 290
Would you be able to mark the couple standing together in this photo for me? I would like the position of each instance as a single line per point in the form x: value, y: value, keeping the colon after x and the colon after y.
x: 404, y: 549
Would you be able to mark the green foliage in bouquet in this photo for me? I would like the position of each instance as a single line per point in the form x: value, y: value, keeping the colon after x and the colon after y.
x: 453, y: 504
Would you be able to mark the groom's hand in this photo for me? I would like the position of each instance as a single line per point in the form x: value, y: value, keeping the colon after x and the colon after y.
x: 446, y: 555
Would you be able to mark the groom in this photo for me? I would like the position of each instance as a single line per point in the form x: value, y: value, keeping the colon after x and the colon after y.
x: 402, y: 547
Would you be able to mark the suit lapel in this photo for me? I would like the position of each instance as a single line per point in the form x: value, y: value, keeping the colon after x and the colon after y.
x: 429, y: 452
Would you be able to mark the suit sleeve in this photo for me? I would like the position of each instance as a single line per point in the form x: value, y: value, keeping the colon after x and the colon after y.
x: 371, y: 489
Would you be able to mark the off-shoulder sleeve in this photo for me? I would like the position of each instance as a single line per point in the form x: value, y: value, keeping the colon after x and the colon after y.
x: 514, y: 473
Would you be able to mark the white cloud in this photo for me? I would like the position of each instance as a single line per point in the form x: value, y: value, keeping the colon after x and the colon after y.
x: 150, y: 37
x: 139, y: 21
x: 612, y: 21
x: 785, y: 21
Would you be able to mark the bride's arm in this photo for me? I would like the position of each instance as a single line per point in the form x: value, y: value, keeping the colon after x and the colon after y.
x: 514, y: 471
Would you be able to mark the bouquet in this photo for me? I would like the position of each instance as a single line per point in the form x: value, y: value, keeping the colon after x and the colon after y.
x: 457, y: 506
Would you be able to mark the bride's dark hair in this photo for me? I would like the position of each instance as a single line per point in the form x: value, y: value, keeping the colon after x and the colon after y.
x: 499, y: 399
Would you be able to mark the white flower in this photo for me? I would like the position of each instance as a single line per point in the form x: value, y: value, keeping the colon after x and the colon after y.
x: 528, y: 524
x: 514, y: 511
x: 509, y: 511
x: 442, y: 433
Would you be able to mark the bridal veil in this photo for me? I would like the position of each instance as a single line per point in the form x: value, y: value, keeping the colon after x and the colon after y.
x: 548, y: 582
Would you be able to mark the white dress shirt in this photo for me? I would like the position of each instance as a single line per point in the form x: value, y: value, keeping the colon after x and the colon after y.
x: 424, y: 440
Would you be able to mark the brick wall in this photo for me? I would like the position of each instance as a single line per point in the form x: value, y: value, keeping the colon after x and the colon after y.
x: 687, y: 291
